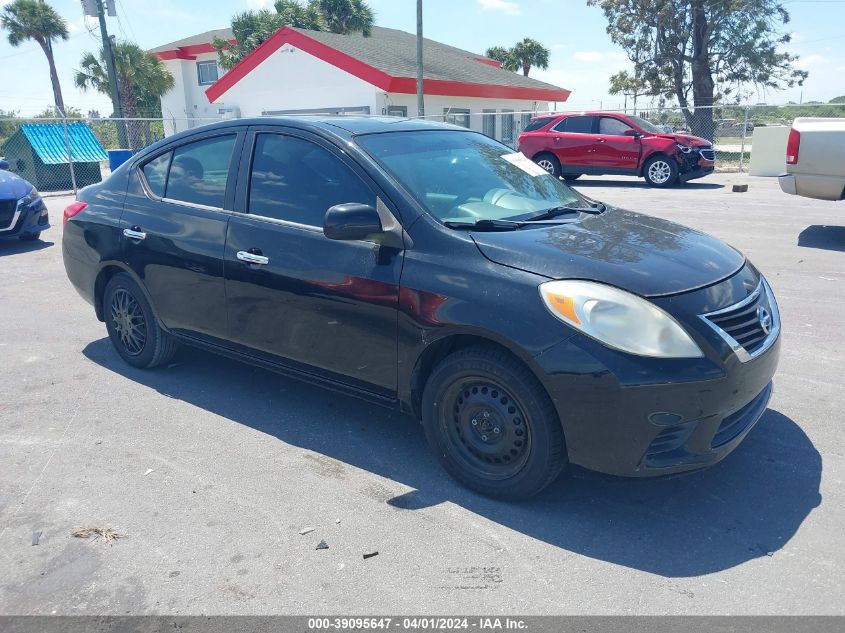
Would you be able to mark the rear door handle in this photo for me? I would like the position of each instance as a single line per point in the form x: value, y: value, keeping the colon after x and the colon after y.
x: 252, y: 258
x: 134, y: 234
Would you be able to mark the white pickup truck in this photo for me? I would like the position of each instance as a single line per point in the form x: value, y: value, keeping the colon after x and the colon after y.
x: 815, y: 159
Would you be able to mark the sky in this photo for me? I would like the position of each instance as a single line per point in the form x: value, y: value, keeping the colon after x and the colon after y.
x: 582, y: 55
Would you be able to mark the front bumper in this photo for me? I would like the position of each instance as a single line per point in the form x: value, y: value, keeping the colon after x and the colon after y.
x: 634, y: 416
x: 28, y: 219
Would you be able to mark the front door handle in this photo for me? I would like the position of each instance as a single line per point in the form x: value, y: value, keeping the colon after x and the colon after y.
x: 252, y: 258
x: 134, y: 233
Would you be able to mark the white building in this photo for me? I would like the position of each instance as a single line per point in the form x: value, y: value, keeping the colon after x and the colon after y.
x: 298, y: 71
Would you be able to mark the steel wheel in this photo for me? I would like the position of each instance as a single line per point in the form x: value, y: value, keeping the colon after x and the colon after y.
x: 128, y: 321
x: 487, y: 429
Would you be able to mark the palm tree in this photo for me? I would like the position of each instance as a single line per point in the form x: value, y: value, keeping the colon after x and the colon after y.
x: 529, y: 53
x: 346, y: 16
x: 36, y: 20
x: 141, y: 80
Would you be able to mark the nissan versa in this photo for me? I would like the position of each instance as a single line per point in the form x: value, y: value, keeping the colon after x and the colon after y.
x: 430, y: 268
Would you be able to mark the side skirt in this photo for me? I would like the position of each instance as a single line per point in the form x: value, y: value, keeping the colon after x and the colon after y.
x: 310, y: 377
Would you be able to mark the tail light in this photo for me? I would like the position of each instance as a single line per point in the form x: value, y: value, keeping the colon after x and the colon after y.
x: 71, y: 210
x: 792, y: 146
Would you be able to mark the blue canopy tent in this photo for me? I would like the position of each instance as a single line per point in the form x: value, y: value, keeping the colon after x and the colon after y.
x: 38, y: 153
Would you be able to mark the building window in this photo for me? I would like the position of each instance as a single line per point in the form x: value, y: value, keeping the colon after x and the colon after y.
x: 526, y: 119
x: 207, y: 73
x: 456, y: 116
x: 507, y: 126
x: 400, y: 111
x: 488, y: 123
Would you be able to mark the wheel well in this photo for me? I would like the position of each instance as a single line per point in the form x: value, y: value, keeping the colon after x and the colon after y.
x: 436, y: 352
x: 100, y: 288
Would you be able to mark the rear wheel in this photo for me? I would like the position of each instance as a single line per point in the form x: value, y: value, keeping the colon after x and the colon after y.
x: 132, y: 326
x: 31, y: 237
x: 549, y: 162
x: 660, y: 171
x: 492, y: 425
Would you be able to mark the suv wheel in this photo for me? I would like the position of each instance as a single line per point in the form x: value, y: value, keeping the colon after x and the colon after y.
x: 492, y: 425
x: 660, y: 171
x: 549, y: 162
x: 571, y: 177
x: 132, y: 326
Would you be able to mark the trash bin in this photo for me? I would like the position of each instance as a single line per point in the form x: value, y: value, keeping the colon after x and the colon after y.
x: 117, y: 157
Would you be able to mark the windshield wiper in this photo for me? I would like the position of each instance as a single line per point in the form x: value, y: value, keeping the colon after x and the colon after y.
x: 485, y: 225
x: 548, y: 214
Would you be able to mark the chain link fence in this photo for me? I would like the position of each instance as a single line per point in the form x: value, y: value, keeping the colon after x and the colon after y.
x: 61, y: 155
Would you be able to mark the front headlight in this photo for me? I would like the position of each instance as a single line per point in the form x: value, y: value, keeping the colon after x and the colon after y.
x: 686, y: 149
x: 31, y: 196
x: 618, y: 319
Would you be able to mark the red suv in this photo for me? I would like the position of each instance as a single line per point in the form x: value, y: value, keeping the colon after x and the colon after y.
x: 573, y: 144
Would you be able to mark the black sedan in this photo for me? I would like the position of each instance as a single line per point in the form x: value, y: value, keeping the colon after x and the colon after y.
x: 23, y: 214
x: 430, y: 268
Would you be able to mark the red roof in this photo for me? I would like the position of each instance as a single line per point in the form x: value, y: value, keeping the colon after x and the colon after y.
x: 386, y: 60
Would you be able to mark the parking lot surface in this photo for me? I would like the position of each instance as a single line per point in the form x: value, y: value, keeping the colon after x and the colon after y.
x: 211, y: 468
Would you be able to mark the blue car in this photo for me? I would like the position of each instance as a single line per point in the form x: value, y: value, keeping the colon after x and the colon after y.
x: 23, y: 214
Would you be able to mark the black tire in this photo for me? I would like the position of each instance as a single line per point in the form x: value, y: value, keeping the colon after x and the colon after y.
x: 132, y: 326
x: 549, y: 162
x: 484, y: 392
x: 660, y: 171
x: 31, y: 237
x: 570, y: 177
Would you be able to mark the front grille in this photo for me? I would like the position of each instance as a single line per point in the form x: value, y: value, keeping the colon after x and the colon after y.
x: 738, y: 421
x: 749, y: 324
x: 7, y: 212
x: 708, y: 153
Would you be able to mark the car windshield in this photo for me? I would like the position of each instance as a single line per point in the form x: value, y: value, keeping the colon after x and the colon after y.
x: 646, y: 125
x: 464, y: 177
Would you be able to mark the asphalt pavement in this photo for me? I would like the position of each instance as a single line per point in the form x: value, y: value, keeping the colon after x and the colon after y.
x: 210, y: 469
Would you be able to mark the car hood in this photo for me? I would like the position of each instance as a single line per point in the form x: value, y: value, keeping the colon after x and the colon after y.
x: 686, y: 139
x: 639, y: 253
x: 12, y: 186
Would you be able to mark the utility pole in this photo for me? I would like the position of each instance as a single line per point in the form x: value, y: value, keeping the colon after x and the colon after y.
x: 420, y: 98
x: 98, y: 8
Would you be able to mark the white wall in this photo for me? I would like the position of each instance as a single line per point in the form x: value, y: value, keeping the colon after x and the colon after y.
x: 291, y: 79
x: 186, y: 105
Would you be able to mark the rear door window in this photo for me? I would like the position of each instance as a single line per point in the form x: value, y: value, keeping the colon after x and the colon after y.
x: 199, y: 171
x: 576, y: 125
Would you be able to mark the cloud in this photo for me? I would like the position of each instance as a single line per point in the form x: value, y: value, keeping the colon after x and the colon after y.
x: 508, y: 8
x: 258, y: 4
x: 812, y: 61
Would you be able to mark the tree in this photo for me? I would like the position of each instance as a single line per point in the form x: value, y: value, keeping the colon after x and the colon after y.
x: 523, y: 56
x: 141, y: 78
x: 528, y: 54
x: 346, y: 16
x: 53, y: 113
x: 695, y: 50
x: 252, y: 28
x: 626, y: 84
x: 38, y: 21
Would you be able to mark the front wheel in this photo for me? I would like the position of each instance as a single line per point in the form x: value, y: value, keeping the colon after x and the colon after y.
x: 492, y: 425
x: 660, y: 171
x: 132, y: 326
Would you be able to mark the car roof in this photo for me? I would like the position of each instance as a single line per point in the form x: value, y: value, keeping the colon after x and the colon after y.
x: 585, y: 113
x: 342, y: 127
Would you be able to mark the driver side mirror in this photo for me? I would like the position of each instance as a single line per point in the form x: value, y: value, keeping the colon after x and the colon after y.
x: 4, y: 165
x: 632, y: 132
